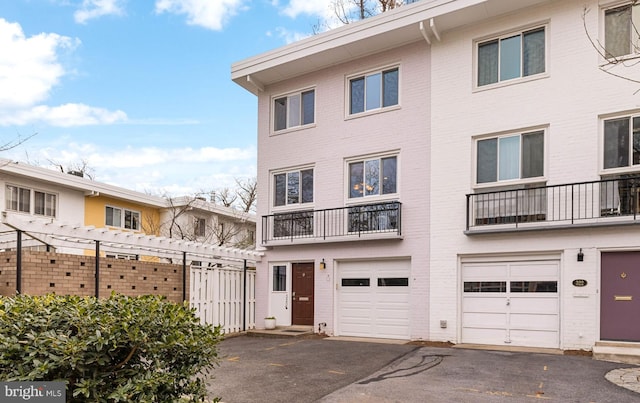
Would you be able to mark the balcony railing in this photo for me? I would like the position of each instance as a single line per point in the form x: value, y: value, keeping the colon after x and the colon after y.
x: 585, y: 203
x: 368, y: 220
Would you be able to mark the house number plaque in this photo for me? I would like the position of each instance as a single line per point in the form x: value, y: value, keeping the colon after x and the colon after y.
x: 579, y: 282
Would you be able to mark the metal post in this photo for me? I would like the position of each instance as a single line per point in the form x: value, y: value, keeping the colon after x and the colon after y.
x: 97, y: 290
x: 244, y: 297
x: 184, y: 276
x: 19, y: 262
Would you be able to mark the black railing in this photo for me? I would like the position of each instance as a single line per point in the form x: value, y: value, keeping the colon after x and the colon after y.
x: 358, y: 221
x: 569, y: 204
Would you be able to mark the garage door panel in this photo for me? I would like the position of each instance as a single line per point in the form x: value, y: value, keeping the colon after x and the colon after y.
x: 482, y: 336
x: 547, y: 339
x: 486, y: 320
x: 537, y: 270
x: 479, y: 304
x: 478, y: 272
x: 548, y: 305
x: 533, y: 322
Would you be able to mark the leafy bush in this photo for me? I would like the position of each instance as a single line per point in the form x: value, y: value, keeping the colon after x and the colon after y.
x: 119, y: 349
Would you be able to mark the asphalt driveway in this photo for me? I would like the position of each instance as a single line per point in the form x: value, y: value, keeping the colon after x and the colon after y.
x: 257, y: 369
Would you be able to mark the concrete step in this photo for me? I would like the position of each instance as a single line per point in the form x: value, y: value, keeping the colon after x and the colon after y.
x: 615, y: 351
x: 282, y: 331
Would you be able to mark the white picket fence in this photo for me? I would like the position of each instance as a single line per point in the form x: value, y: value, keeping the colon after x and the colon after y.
x: 217, y: 295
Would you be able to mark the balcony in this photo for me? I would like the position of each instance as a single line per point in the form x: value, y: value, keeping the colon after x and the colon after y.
x: 598, y: 203
x: 367, y: 221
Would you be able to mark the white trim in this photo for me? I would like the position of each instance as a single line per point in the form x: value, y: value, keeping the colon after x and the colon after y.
x: 364, y: 74
x: 272, y: 130
x: 372, y: 198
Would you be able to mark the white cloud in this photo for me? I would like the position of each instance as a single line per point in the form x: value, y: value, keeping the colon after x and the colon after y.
x: 289, y: 36
x: 91, y: 9
x: 28, y: 66
x: 29, y: 70
x: 320, y: 8
x: 66, y: 115
x: 210, y: 14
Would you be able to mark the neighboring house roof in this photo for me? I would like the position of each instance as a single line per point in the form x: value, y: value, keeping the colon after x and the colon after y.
x: 209, y: 207
x: 89, y: 187
x: 422, y: 20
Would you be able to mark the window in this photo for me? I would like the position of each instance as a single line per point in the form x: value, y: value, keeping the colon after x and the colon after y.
x: 18, y: 199
x: 393, y: 282
x: 199, y: 227
x: 373, y: 91
x: 509, y: 157
x: 44, y: 204
x: 294, y: 187
x: 622, y: 142
x: 123, y: 218
x: 280, y: 278
x: 294, y: 110
x: 356, y: 282
x: 621, y: 27
x: 511, y: 56
x: 373, y: 177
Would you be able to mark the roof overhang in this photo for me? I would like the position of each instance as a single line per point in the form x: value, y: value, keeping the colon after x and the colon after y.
x: 424, y: 20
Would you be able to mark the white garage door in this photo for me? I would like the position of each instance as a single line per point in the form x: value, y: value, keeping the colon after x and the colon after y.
x: 373, y: 299
x: 511, y: 303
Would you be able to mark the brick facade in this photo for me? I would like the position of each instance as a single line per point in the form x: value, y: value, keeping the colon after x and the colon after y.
x: 50, y: 272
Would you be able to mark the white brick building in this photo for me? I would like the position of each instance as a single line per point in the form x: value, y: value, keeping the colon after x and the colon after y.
x: 493, y: 155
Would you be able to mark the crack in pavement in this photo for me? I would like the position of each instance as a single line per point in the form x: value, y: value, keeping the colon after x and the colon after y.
x: 427, y: 361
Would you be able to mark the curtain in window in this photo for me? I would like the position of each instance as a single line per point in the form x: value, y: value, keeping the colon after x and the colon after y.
x: 533, y: 52
x: 24, y: 203
x: 373, y: 89
x: 308, y: 107
x: 294, y: 111
x: 510, y: 58
x: 617, y: 31
x: 390, y: 88
x: 488, y: 63
x: 533, y: 155
x: 487, y: 166
x: 616, y: 143
x: 509, y: 154
x: 280, y: 114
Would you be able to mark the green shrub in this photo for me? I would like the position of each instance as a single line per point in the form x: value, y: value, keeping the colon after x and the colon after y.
x: 119, y: 349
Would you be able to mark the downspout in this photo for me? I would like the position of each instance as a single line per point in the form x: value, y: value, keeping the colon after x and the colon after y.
x: 184, y: 276
x: 244, y: 297
x: 97, y: 290
x: 19, y: 262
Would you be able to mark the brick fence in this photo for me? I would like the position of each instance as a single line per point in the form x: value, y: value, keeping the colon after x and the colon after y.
x: 65, y: 274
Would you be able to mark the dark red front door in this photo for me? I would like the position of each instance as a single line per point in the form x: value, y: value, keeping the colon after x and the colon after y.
x: 620, y: 296
x: 302, y: 294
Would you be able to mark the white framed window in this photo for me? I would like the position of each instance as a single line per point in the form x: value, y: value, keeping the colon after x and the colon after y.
x: 122, y: 218
x: 510, y: 157
x: 622, y: 30
x: 44, y: 203
x: 31, y: 201
x: 18, y: 199
x: 294, y: 110
x: 199, y: 226
x: 374, y: 90
x: 621, y: 140
x: 372, y: 176
x: 512, y: 56
x: 294, y: 187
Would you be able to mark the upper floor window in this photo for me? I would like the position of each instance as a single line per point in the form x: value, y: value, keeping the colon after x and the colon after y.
x: 621, y: 27
x: 293, y: 187
x: 19, y: 199
x: 44, y: 204
x: 297, y: 109
x: 373, y: 177
x: 510, y: 157
x: 123, y: 218
x: 512, y: 56
x: 374, y: 90
x: 199, y: 227
x: 622, y: 142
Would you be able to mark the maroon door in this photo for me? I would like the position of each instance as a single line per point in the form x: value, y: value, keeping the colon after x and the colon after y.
x: 302, y: 294
x: 620, y: 296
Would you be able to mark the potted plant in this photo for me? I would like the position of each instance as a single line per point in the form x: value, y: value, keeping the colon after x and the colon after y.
x: 270, y: 322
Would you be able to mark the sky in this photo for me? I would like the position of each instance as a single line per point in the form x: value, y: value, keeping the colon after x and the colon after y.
x: 140, y: 91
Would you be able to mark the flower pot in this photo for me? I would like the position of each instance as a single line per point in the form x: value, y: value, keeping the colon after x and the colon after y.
x: 269, y: 323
